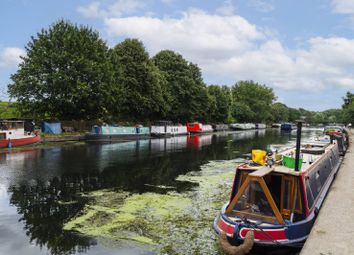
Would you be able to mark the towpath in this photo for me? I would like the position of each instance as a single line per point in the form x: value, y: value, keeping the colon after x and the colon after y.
x: 333, y: 232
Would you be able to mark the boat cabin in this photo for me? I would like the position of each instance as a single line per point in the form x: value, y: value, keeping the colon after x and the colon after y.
x: 10, y: 129
x: 279, y: 194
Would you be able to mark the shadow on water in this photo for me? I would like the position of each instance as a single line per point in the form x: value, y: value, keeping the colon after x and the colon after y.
x: 45, y: 185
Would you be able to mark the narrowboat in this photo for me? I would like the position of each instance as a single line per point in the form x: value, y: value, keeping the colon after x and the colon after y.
x: 276, y: 125
x: 242, y: 126
x: 341, y: 132
x: 167, y: 128
x: 278, y: 196
x: 13, y: 134
x: 220, y: 127
x: 260, y: 126
x: 288, y: 127
x: 108, y: 133
x: 197, y: 128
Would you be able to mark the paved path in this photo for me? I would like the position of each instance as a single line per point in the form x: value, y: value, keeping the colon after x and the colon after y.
x: 333, y: 232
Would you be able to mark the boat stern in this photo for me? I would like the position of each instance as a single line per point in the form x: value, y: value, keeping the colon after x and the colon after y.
x: 236, y: 229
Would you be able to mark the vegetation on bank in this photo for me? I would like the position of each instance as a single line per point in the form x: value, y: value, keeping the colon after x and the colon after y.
x: 69, y: 73
x: 8, y: 110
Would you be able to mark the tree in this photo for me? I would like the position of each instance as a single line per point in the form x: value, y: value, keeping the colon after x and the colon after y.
x: 294, y: 114
x: 219, y: 103
x: 187, y: 94
x: 65, y: 74
x: 140, y: 82
x: 280, y: 112
x: 348, y: 108
x: 332, y: 116
x: 252, y: 101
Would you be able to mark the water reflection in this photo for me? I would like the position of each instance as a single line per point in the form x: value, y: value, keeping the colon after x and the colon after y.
x: 45, y: 184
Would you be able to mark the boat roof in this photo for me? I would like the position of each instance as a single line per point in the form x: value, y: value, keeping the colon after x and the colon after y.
x: 12, y: 121
x: 309, y: 160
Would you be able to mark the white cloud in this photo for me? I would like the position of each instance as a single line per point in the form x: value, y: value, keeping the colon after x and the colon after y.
x: 196, y: 33
x: 167, y: 1
x: 343, y: 6
x: 116, y: 8
x: 91, y: 11
x: 10, y: 57
x: 227, y: 8
x: 262, y: 5
x: 230, y: 48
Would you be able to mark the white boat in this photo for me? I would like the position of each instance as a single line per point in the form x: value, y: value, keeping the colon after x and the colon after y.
x: 167, y: 128
x: 260, y: 126
x: 242, y: 126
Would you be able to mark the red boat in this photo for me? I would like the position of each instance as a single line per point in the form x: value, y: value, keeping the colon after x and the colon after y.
x: 13, y: 134
x: 197, y: 127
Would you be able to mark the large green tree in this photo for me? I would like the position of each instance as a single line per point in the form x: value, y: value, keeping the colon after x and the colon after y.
x: 280, y: 112
x: 65, y: 74
x: 187, y: 93
x: 252, y: 102
x: 219, y: 103
x: 139, y: 81
x: 348, y: 108
x: 294, y: 114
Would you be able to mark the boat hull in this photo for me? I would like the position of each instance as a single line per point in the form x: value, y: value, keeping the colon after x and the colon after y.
x: 117, y: 137
x: 20, y: 141
x: 271, y: 235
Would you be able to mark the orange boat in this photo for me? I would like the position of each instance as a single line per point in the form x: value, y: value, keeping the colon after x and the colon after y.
x: 13, y: 134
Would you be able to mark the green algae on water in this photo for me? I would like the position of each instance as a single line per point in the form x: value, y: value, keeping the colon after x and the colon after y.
x: 171, y: 223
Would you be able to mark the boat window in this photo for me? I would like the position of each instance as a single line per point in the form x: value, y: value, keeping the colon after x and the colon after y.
x: 253, y: 202
x: 2, y: 136
x: 309, y: 195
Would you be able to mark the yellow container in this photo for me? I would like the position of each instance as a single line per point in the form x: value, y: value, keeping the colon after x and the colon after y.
x: 259, y: 157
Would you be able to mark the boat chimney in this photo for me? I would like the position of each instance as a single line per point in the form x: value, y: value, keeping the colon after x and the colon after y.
x: 298, y: 144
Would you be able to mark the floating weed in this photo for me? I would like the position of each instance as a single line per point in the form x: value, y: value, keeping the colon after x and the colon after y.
x: 171, y: 223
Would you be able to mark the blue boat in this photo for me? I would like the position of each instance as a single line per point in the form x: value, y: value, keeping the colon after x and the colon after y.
x: 288, y: 127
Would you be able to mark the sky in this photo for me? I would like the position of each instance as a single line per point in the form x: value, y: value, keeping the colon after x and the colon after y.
x: 303, y: 49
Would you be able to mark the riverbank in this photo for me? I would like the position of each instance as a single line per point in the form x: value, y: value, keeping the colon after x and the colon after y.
x: 64, y: 137
x: 333, y: 229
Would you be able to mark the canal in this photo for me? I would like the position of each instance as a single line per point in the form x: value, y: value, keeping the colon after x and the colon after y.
x: 156, y: 196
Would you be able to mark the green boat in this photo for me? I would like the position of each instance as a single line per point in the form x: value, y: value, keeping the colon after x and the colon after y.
x: 107, y: 133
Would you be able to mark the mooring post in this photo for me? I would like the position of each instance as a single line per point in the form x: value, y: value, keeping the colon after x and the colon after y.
x: 298, y: 145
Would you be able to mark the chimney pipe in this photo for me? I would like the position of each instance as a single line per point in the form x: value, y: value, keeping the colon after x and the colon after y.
x: 298, y: 145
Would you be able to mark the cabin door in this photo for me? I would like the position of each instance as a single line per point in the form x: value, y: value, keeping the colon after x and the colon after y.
x: 286, y: 200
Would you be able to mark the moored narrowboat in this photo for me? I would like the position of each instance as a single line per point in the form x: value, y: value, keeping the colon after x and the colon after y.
x: 288, y: 127
x: 242, y: 126
x: 108, y: 133
x: 278, y: 196
x: 167, y: 128
x: 13, y: 134
x: 197, y: 128
x: 260, y: 126
x: 220, y: 127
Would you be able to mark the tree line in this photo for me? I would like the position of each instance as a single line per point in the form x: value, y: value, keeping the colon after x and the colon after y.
x: 69, y: 73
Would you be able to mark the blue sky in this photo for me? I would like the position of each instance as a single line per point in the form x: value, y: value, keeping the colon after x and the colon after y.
x: 303, y: 49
